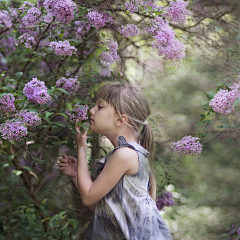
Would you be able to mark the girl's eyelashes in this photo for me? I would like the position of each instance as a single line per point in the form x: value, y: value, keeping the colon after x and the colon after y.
x: 99, y: 106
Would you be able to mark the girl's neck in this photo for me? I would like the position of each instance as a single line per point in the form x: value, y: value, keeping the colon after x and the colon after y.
x: 129, y: 138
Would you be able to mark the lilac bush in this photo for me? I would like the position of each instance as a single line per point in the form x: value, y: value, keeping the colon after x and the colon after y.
x: 63, y: 48
x: 99, y: 19
x: 62, y: 10
x: 78, y: 112
x: 27, y: 39
x: 111, y: 55
x: 165, y: 199
x: 70, y: 84
x: 13, y: 130
x: 188, y: 145
x: 29, y: 118
x: 7, y: 103
x: 165, y: 42
x: 224, y: 99
x: 129, y: 30
x: 177, y: 11
x: 36, y: 91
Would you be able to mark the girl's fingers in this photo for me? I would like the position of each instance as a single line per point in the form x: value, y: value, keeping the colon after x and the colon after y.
x: 73, y: 159
x: 63, y: 164
x: 63, y: 160
x: 77, y: 128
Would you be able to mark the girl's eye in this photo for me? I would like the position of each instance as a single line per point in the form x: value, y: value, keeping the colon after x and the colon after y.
x: 99, y: 106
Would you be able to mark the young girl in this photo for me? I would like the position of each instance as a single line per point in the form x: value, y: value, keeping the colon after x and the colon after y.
x: 122, y: 197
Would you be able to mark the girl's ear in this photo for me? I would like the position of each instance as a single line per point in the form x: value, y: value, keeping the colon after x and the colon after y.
x: 122, y: 120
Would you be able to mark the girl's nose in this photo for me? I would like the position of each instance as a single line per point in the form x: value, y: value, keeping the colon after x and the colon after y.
x: 91, y: 111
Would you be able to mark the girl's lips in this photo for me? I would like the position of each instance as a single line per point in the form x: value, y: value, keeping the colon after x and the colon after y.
x: 91, y: 120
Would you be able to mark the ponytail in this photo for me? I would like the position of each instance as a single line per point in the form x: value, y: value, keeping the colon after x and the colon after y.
x: 147, y: 141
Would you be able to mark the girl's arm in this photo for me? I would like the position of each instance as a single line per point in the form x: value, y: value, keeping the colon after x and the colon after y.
x: 121, y: 161
x: 91, y: 207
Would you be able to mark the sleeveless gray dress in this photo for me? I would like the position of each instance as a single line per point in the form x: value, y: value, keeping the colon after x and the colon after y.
x: 127, y: 211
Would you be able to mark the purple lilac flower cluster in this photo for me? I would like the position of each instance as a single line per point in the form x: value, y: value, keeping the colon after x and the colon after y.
x: 99, y: 19
x: 7, y: 103
x: 165, y: 40
x: 33, y: 16
x: 78, y: 111
x: 13, y: 130
x: 26, y: 5
x: 5, y: 19
x: 63, y: 48
x: 29, y: 40
x: 62, y: 10
x: 177, y: 11
x: 188, y: 145
x: 29, y: 118
x: 69, y: 85
x: 129, y: 30
x: 223, y: 100
x: 36, y: 91
x: 165, y: 200
x: 111, y: 56
x: 134, y: 5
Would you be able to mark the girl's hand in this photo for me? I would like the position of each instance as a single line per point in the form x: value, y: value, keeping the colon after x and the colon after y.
x: 68, y: 165
x: 81, y: 138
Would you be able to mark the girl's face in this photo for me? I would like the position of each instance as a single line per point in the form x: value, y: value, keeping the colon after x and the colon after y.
x: 103, y: 117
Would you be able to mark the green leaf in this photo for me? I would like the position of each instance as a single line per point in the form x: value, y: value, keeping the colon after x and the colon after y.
x: 204, y: 102
x: 198, y: 124
x: 208, y: 121
x: 59, y: 123
x: 225, y: 125
x: 17, y: 172
x: 65, y: 115
x: 48, y: 114
x: 73, y: 130
x: 210, y: 94
x: 19, y: 75
x: 202, y: 116
x: 103, y: 35
x: 74, y: 223
x: 62, y: 90
x: 221, y: 126
x: 236, y: 102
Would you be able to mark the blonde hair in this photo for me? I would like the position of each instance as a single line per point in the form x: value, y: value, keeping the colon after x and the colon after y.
x: 130, y: 100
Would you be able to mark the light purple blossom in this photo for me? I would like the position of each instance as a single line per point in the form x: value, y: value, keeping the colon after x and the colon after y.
x: 165, y: 200
x: 29, y: 40
x: 32, y: 17
x: 36, y: 91
x: 63, y: 48
x: 111, y: 56
x: 5, y: 18
x: 223, y: 100
x: 129, y: 30
x: 27, y: 5
x: 99, y: 19
x: 70, y: 84
x: 165, y: 42
x: 78, y: 111
x: 238, y: 231
x: 62, y: 10
x: 177, y: 11
x: 13, y: 130
x: 188, y: 145
x: 7, y: 103
x: 29, y: 118
x: 134, y: 5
